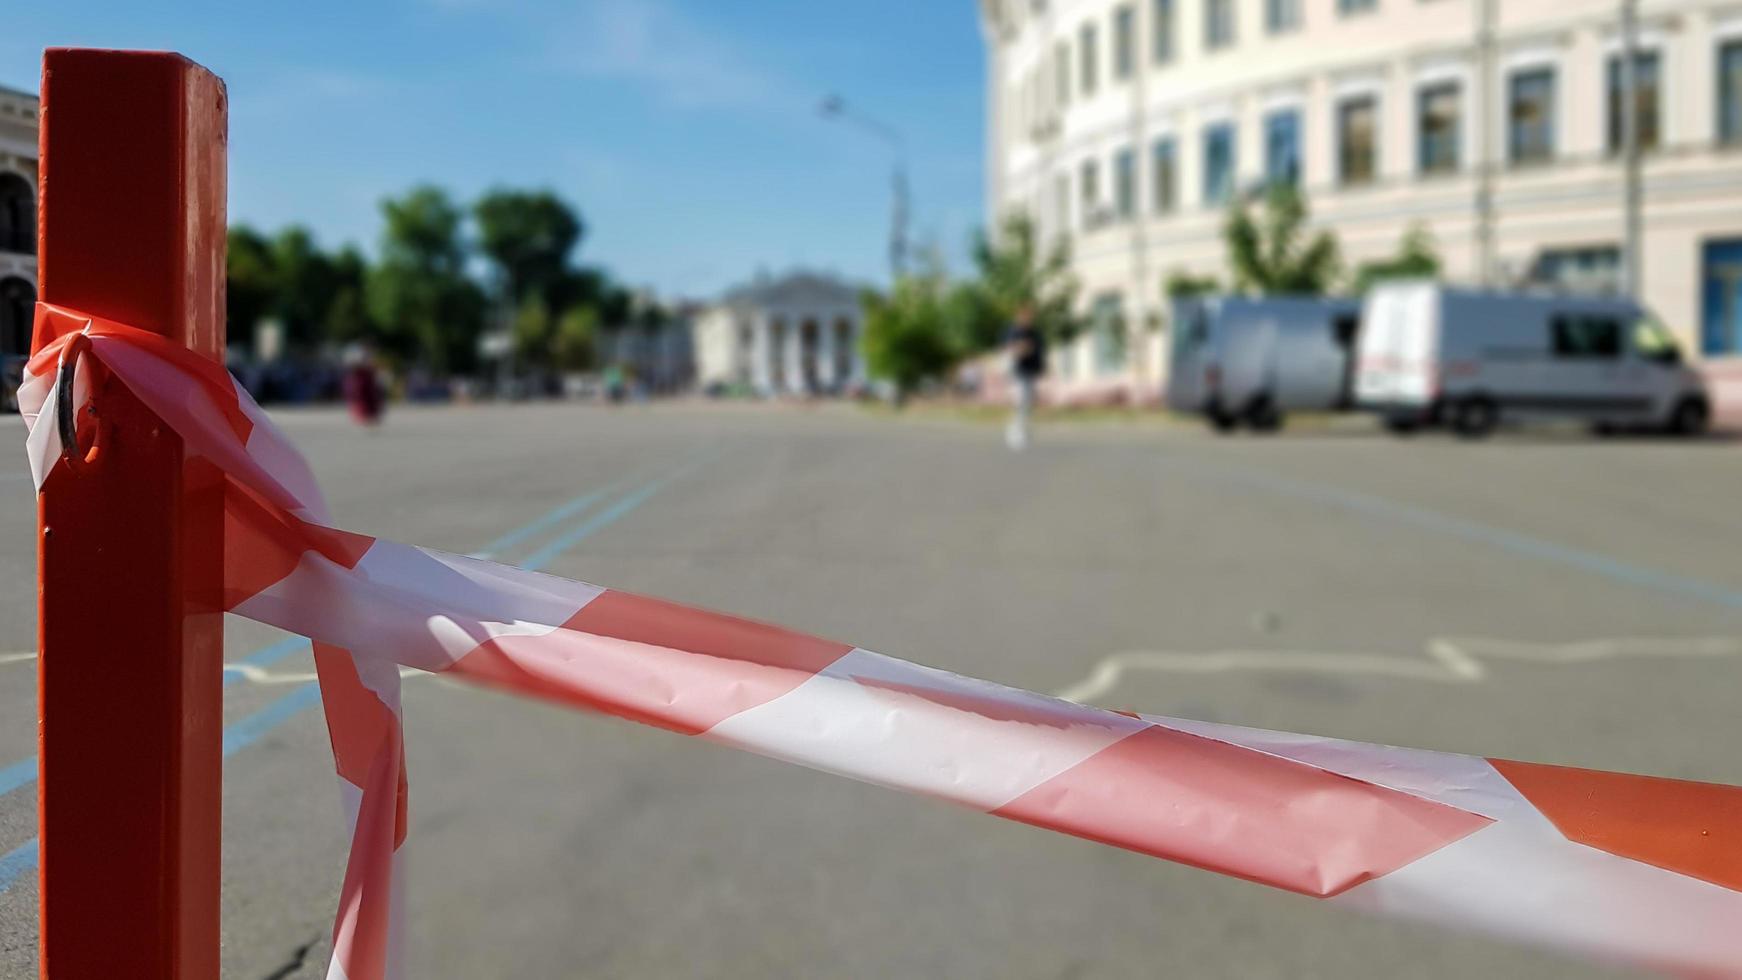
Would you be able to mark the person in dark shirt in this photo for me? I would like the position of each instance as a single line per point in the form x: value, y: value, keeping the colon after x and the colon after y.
x: 1027, y: 364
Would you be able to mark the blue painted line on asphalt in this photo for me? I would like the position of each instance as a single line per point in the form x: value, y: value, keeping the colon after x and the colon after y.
x: 237, y: 737
x: 252, y: 728
x: 18, y: 861
x: 266, y: 657
x: 550, y: 520
x: 604, y: 518
x: 1516, y: 542
x: 24, y: 771
x: 20, y: 773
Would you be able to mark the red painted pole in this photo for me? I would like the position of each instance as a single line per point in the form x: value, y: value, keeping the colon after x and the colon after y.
x: 131, y: 547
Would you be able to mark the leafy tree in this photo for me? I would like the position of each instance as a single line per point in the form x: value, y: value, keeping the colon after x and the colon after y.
x: 1416, y: 258
x: 529, y: 236
x: 1272, y: 253
x: 906, y: 338
x: 573, y: 346
x: 306, y: 286
x: 347, y: 317
x: 1181, y: 284
x: 419, y: 294
x: 253, y: 285
x: 532, y: 329
x: 423, y: 232
x: 1013, y: 271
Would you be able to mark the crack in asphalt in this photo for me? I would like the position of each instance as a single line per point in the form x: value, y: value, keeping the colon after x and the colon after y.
x: 298, y: 957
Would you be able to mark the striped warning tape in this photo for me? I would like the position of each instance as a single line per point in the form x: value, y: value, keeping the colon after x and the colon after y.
x: 1633, y: 868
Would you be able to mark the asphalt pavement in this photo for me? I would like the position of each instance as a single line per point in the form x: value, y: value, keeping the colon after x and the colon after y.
x: 1544, y: 596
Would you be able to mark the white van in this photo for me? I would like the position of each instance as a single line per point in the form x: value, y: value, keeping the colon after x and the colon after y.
x: 1431, y: 354
x: 1252, y: 360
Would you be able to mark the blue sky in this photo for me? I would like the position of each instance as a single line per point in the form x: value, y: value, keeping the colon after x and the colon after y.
x: 685, y: 130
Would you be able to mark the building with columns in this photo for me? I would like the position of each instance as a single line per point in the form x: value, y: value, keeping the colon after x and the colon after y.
x: 18, y: 126
x: 1125, y: 126
x: 794, y: 334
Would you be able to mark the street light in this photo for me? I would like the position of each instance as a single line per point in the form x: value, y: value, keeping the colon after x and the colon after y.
x: 1631, y: 194
x: 835, y: 107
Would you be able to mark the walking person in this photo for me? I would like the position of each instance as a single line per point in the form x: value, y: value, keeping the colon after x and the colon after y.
x: 1027, y: 364
x: 362, y: 385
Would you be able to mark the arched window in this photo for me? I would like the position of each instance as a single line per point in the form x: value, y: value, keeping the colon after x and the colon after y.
x: 17, y: 303
x: 17, y: 215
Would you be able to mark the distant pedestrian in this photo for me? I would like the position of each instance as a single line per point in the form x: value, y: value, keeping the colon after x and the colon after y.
x: 362, y: 385
x: 615, y: 385
x: 1027, y: 364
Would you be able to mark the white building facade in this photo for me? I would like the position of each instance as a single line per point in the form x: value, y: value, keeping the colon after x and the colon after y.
x: 797, y: 334
x: 1127, y: 125
x: 18, y: 130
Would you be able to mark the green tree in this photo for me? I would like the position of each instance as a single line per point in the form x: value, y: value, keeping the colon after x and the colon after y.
x: 307, y: 286
x: 529, y: 236
x: 347, y: 317
x: 252, y: 285
x: 418, y: 293
x: 906, y: 336
x: 1181, y: 284
x: 1416, y: 258
x: 1013, y: 270
x: 1272, y: 252
x: 532, y: 330
x: 572, y: 348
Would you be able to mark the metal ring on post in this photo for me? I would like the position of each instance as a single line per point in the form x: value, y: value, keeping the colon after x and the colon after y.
x: 64, y: 408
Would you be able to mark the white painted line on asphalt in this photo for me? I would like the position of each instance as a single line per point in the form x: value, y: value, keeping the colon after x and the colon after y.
x: 1450, y: 660
x: 23, y: 656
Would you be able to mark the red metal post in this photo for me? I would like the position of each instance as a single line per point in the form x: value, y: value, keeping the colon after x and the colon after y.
x: 131, y: 547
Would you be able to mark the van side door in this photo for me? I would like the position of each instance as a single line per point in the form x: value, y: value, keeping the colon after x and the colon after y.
x: 1591, y: 374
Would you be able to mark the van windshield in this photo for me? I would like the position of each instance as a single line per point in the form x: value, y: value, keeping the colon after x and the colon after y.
x: 1654, y: 342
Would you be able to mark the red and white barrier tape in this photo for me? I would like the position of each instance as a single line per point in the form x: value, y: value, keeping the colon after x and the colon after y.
x: 1632, y: 868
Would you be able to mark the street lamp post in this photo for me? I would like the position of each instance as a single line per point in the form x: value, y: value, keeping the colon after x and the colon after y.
x: 834, y: 107
x: 1630, y: 148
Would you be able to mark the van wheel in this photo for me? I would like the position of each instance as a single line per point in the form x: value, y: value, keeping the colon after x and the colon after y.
x: 1262, y: 416
x: 1474, y: 418
x: 1402, y: 425
x: 1690, y: 418
x: 1221, y: 422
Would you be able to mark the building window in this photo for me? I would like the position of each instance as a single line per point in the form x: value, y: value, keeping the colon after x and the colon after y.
x: 1581, y: 269
x: 1646, y: 98
x: 1125, y: 183
x: 1061, y: 204
x: 1164, y: 175
x: 1218, y: 23
x: 1086, y: 60
x: 1282, y: 147
x: 1124, y: 42
x: 1107, y: 320
x: 17, y: 310
x: 1089, y: 194
x: 1281, y: 16
x: 1219, y: 163
x: 1162, y: 31
x: 1730, y: 93
x: 1358, y: 140
x: 17, y: 215
x: 1721, y: 298
x: 1061, y: 72
x: 1347, y: 7
x: 1530, y: 116
x: 1437, y: 121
